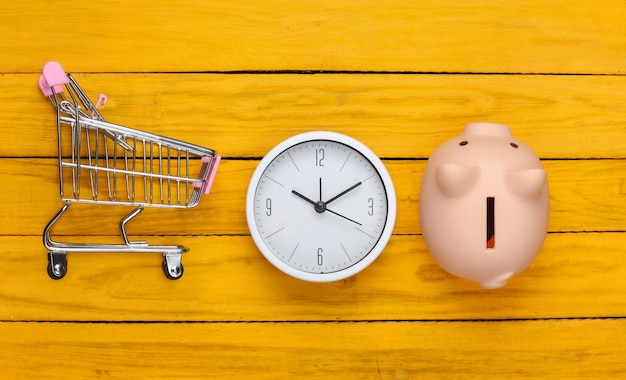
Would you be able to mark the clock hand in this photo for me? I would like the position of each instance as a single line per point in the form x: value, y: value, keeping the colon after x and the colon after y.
x: 344, y: 192
x: 309, y: 199
x: 340, y: 195
x: 304, y: 197
x: 345, y: 217
x: 320, y: 189
x: 319, y: 207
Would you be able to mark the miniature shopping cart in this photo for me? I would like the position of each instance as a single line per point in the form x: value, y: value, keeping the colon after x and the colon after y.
x: 108, y: 164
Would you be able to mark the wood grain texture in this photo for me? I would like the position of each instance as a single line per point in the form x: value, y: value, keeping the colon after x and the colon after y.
x: 241, y: 76
x: 561, y: 349
x: 226, y: 279
x: 245, y: 115
x: 425, y: 36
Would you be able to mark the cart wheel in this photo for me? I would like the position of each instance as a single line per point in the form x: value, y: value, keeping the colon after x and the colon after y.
x: 57, y: 265
x: 173, y: 273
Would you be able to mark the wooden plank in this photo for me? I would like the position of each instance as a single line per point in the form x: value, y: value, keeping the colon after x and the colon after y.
x: 227, y: 279
x: 246, y: 115
x: 426, y: 36
x: 569, y: 349
x: 586, y: 195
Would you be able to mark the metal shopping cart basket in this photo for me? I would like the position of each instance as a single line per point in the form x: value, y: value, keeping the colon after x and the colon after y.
x: 108, y: 164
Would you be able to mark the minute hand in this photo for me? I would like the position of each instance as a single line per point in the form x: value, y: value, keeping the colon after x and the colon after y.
x: 344, y: 192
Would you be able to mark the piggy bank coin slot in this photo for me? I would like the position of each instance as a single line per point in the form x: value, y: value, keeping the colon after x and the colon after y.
x: 491, y: 225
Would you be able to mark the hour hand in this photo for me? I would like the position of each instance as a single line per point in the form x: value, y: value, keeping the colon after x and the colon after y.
x: 319, y: 207
x: 303, y: 197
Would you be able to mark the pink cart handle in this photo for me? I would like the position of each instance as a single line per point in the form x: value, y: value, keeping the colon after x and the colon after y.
x: 45, y: 89
x: 53, y: 77
x: 54, y: 74
x: 211, y: 176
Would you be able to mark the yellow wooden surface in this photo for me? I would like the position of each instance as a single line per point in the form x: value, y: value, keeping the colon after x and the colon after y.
x: 570, y: 349
x: 241, y: 76
x: 395, y: 35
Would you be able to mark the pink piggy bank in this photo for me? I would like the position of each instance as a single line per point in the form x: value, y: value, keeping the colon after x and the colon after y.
x: 484, y: 205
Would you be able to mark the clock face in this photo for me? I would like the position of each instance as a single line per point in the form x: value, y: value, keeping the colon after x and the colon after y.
x: 321, y: 206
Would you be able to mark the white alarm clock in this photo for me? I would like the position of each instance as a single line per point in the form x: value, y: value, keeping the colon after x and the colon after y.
x: 321, y: 206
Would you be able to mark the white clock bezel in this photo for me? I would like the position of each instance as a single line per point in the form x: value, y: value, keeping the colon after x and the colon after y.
x: 378, y: 247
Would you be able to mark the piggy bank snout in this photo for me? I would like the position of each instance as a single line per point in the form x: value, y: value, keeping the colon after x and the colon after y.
x: 487, y: 129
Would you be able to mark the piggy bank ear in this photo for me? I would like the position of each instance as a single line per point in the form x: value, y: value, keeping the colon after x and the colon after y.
x: 455, y: 180
x: 526, y: 183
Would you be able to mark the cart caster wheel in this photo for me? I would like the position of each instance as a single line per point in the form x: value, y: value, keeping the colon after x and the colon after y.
x: 57, y: 265
x: 174, y: 272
